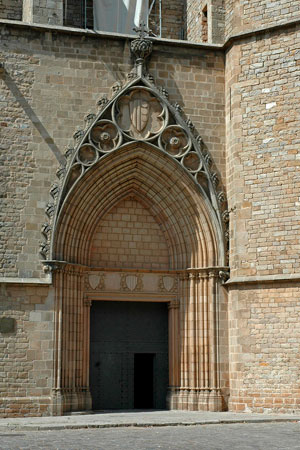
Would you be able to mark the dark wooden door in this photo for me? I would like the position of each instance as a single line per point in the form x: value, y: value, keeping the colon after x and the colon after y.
x: 129, y: 355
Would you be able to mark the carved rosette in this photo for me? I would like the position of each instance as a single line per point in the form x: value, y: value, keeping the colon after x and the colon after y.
x: 140, y: 114
x: 175, y: 141
x: 105, y: 136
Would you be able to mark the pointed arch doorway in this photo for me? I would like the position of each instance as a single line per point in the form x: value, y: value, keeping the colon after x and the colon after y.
x: 128, y: 338
x: 184, y: 276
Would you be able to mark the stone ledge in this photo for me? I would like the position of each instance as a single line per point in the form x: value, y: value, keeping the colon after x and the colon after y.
x: 278, y: 278
x: 27, y: 281
x: 161, y: 41
x: 107, y: 35
x: 261, y: 30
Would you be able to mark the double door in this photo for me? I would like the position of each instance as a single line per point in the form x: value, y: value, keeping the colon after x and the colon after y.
x: 128, y: 355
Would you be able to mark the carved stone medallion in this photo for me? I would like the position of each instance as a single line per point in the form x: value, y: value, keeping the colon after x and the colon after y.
x: 96, y: 281
x: 168, y: 284
x: 131, y: 282
x: 140, y: 114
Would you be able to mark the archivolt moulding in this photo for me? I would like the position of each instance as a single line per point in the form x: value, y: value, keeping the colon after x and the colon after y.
x: 137, y: 112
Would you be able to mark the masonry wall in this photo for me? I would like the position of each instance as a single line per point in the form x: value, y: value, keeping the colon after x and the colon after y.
x: 173, y: 25
x: 262, y: 106
x: 197, y: 24
x: 243, y: 16
x: 51, y: 82
x: 11, y: 9
x: 264, y: 348
x: 26, y: 361
x: 128, y: 236
x: 75, y: 16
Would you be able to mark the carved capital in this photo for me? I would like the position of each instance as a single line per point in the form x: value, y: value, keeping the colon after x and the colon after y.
x: 87, y: 302
x: 175, y: 304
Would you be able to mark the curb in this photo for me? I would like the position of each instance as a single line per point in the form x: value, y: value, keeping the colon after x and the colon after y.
x: 79, y: 426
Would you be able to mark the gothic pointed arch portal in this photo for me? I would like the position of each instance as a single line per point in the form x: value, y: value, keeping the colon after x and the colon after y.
x: 138, y: 148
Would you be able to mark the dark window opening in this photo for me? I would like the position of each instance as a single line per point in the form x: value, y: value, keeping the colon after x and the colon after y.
x: 204, y: 25
x: 79, y: 14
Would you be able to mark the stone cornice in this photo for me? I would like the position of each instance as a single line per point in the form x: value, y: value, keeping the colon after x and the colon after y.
x: 262, y: 279
x: 105, y: 35
x: 27, y: 281
x: 158, y: 41
x: 259, y: 31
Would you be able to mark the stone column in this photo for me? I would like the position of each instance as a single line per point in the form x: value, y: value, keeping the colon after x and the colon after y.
x: 71, y: 383
x: 174, y: 356
x: 43, y: 11
x: 199, y: 378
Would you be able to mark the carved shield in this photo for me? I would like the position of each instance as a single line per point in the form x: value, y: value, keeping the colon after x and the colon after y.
x: 139, y: 113
x: 94, y: 280
x: 168, y: 283
x: 131, y: 282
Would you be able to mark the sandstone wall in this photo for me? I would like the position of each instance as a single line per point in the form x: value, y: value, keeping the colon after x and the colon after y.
x: 205, y: 21
x: 173, y: 25
x: 128, y: 236
x: 43, y: 11
x: 11, y: 9
x: 264, y: 348
x: 262, y: 121
x: 26, y: 362
x: 50, y: 83
x: 75, y: 16
x: 262, y: 118
x: 251, y: 14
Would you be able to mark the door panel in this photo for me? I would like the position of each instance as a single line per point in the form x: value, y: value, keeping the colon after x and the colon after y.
x: 119, y: 332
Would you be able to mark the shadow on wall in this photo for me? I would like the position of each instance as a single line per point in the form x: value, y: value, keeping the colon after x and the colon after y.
x: 19, y: 97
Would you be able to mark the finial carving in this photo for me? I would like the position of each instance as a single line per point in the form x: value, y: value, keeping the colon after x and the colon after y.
x: 141, y: 48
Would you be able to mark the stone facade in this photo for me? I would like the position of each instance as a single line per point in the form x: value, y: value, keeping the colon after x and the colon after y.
x: 129, y: 236
x: 205, y: 21
x: 244, y: 16
x: 43, y: 11
x: 262, y: 89
x: 142, y: 222
x: 11, y: 9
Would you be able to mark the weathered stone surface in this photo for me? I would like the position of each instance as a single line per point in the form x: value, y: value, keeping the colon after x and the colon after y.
x: 50, y: 80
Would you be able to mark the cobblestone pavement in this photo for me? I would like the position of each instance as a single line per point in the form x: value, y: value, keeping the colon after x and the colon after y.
x: 263, y: 436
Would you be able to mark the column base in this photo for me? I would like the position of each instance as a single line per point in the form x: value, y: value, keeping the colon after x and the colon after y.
x: 195, y: 399
x: 71, y: 400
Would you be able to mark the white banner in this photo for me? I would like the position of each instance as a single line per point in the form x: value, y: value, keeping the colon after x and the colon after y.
x: 119, y: 16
